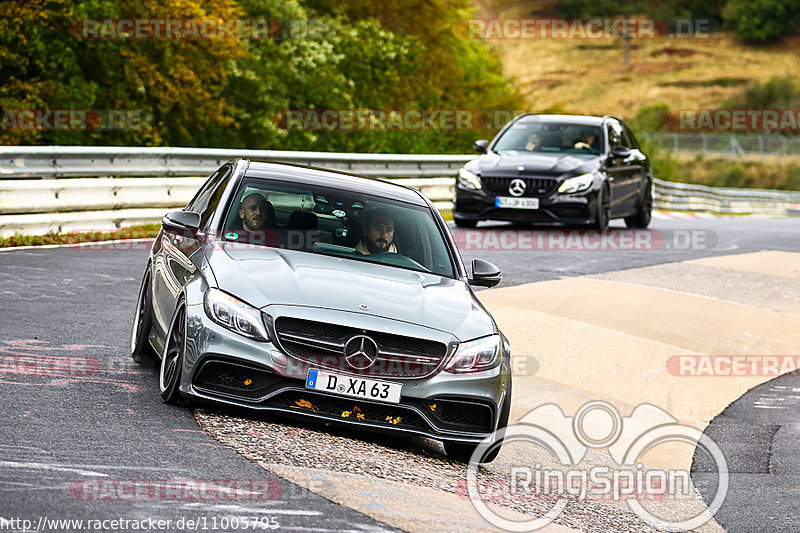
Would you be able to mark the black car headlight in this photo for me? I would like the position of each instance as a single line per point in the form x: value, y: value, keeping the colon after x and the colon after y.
x: 234, y: 315
x: 576, y: 184
x: 477, y: 355
x: 469, y: 180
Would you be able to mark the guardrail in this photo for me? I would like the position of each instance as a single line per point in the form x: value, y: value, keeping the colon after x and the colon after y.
x: 72, y: 188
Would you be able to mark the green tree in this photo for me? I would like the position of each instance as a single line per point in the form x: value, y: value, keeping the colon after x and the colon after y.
x: 760, y: 21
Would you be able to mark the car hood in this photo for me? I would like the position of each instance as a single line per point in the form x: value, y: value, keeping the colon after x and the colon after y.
x: 539, y: 164
x: 271, y: 276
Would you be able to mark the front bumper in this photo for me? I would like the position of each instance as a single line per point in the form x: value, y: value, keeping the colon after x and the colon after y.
x: 554, y: 208
x: 223, y: 367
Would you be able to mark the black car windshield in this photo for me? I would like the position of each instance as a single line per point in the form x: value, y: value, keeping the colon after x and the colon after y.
x: 527, y: 136
x: 324, y: 220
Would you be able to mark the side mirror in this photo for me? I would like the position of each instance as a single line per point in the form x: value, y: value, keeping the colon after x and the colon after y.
x: 184, y: 223
x: 481, y: 146
x: 485, y: 274
x: 621, y: 152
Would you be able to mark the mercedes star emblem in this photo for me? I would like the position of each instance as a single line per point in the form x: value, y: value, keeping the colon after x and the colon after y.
x: 517, y: 187
x: 360, y: 352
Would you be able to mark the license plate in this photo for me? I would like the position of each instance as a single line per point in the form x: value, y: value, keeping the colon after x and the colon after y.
x: 367, y: 389
x: 516, y: 203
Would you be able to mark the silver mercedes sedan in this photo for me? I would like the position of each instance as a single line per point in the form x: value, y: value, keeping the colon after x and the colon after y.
x: 320, y: 294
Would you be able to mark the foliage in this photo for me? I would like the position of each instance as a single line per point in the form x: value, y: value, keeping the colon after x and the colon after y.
x: 760, y: 21
x: 779, y: 92
x: 232, y: 93
x: 650, y: 118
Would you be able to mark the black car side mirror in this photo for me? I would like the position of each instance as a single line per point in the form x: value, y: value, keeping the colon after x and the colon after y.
x: 481, y: 146
x: 621, y: 152
x: 485, y: 274
x: 184, y: 223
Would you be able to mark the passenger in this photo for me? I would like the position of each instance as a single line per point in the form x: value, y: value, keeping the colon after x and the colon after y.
x: 256, y: 213
x: 258, y: 221
x: 533, y: 141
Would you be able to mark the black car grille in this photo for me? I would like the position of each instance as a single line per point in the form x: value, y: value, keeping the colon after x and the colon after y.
x: 350, y: 409
x: 533, y: 186
x: 234, y: 379
x: 460, y: 415
x: 322, y: 344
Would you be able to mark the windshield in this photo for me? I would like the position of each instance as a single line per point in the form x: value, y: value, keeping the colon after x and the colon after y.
x: 527, y: 136
x: 323, y: 220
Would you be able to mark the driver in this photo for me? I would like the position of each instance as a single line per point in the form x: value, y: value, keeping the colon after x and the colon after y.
x: 586, y: 142
x: 377, y: 234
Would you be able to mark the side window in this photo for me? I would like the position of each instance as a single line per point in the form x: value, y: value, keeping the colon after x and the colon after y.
x: 207, y: 200
x: 615, y: 137
x: 633, y: 143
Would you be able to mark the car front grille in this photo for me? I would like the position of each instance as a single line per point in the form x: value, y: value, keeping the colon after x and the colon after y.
x: 234, y: 379
x: 355, y: 410
x: 460, y: 415
x: 533, y: 186
x: 323, y: 345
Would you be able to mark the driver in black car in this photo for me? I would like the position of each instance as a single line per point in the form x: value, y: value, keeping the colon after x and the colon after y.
x: 377, y: 233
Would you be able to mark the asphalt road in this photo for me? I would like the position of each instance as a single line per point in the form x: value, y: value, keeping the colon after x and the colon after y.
x: 85, y: 421
x: 75, y: 436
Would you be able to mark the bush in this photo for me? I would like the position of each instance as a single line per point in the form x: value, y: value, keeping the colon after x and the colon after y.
x: 650, y: 118
x: 761, y: 21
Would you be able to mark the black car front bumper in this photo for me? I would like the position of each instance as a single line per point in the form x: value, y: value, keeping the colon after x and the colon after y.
x: 554, y: 208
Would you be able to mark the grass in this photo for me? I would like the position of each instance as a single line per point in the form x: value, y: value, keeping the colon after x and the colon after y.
x: 581, y: 76
x: 132, y: 232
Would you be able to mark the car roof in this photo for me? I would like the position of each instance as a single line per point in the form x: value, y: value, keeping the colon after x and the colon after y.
x: 335, y: 179
x: 588, y: 120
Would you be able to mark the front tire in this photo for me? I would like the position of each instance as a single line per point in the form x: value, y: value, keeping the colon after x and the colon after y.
x: 169, y: 376
x: 603, y: 216
x: 141, y: 350
x: 644, y: 210
x: 464, y: 223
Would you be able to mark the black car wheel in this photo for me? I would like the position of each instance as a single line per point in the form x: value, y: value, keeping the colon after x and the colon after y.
x: 462, y: 223
x: 463, y: 452
x: 644, y: 210
x: 171, y: 363
x: 603, y: 209
x: 141, y: 350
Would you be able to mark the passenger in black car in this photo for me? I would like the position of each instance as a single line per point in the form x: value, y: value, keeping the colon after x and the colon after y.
x: 533, y: 141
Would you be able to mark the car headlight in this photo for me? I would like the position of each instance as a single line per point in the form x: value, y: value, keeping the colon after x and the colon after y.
x: 576, y: 184
x: 477, y: 355
x: 235, y: 315
x: 469, y: 180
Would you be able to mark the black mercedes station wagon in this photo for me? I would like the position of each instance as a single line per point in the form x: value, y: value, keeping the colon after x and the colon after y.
x: 569, y: 170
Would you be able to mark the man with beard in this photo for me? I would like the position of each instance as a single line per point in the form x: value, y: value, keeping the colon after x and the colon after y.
x: 377, y: 233
x: 257, y: 215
